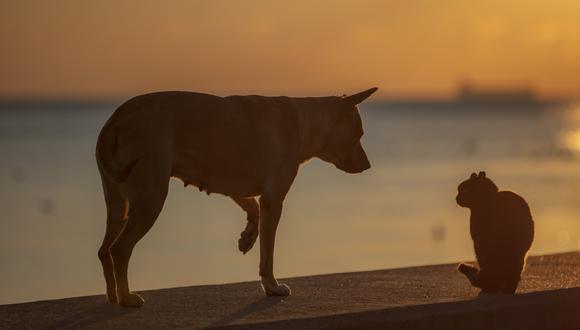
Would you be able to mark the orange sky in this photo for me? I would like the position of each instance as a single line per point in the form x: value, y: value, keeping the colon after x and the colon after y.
x: 117, y: 48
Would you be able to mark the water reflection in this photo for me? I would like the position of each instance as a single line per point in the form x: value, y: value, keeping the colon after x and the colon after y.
x: 570, y: 133
x: 18, y: 175
x: 402, y: 212
x: 46, y: 206
x: 438, y: 232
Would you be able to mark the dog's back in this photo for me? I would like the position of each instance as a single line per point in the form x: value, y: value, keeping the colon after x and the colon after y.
x: 206, y: 138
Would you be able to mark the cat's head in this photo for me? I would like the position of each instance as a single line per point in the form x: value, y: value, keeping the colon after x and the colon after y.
x: 477, y: 189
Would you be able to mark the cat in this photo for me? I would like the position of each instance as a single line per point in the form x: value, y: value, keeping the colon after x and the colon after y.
x: 502, y: 230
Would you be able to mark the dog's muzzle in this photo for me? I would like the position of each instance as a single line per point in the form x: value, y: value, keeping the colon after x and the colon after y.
x: 356, y: 162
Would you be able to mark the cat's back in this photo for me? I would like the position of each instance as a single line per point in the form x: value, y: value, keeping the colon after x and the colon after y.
x: 514, y: 205
x: 516, y: 218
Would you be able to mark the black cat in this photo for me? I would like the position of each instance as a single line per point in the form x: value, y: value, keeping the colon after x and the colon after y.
x: 502, y: 230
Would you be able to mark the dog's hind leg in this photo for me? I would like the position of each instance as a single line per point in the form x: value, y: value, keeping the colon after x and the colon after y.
x: 116, y: 210
x: 250, y: 234
x: 146, y: 190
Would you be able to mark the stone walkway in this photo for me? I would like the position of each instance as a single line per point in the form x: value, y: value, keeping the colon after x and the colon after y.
x: 432, y: 297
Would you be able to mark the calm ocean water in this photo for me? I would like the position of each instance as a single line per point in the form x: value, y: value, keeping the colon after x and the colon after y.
x: 401, y: 212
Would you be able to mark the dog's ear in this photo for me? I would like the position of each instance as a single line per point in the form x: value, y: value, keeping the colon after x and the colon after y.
x: 359, y: 97
x: 473, y: 176
x: 482, y: 174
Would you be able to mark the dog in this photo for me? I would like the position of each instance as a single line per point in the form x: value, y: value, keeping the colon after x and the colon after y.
x: 502, y: 230
x: 246, y: 147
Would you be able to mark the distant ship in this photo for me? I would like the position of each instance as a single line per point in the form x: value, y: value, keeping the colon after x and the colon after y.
x: 512, y: 96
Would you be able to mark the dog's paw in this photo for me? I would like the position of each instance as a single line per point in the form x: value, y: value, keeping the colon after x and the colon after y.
x: 276, y: 289
x: 133, y: 300
x: 247, y: 239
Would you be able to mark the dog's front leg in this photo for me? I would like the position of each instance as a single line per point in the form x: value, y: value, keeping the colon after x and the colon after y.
x: 250, y: 234
x: 270, y: 210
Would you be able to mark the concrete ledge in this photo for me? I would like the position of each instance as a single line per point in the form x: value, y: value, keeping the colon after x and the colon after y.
x: 554, y: 309
x: 429, y: 297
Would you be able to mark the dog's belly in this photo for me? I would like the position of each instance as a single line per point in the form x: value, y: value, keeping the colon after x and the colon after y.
x: 239, y: 188
x: 233, y: 188
x: 220, y: 180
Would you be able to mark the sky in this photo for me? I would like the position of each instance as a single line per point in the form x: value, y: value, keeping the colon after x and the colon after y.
x: 415, y: 48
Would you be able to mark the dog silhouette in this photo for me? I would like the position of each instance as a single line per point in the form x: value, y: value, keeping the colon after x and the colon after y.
x: 245, y: 147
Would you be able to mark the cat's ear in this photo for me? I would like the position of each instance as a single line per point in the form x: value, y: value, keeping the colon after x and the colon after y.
x: 473, y: 176
x: 482, y: 174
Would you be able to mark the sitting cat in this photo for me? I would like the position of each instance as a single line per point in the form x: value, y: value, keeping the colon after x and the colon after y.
x: 502, y: 230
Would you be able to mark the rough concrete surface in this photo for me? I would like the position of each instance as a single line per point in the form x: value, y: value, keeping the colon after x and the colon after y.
x: 427, y: 297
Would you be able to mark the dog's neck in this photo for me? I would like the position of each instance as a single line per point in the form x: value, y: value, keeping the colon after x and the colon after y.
x: 316, y: 119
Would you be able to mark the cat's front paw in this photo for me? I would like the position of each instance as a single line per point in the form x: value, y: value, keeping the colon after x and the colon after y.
x: 467, y: 270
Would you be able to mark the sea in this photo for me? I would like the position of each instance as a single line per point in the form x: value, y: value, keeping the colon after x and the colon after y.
x: 399, y: 213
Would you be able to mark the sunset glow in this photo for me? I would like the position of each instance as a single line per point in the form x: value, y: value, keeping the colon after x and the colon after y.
x: 109, y: 49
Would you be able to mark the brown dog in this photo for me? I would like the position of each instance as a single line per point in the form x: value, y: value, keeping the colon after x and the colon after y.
x: 239, y: 146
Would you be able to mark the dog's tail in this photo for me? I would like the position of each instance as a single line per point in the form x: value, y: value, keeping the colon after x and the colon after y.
x: 105, y: 155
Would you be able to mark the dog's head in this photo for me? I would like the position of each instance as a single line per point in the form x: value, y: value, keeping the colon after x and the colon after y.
x: 343, y: 147
x: 474, y: 190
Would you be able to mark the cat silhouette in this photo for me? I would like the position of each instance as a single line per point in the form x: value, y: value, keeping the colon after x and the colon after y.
x: 502, y: 230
